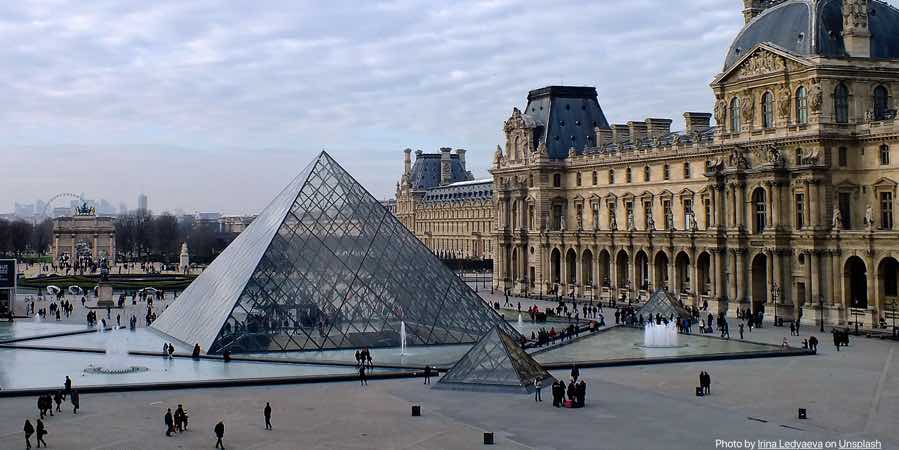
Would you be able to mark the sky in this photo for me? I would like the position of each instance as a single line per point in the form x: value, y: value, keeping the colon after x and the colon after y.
x: 210, y: 105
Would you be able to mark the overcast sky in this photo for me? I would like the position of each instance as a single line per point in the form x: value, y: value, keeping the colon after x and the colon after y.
x: 210, y: 105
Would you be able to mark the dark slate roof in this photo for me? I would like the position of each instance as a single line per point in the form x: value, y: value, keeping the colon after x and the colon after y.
x: 706, y: 135
x: 463, y: 191
x: 426, y: 171
x: 569, y: 115
x: 789, y: 25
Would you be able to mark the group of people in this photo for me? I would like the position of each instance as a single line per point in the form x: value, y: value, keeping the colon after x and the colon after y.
x: 168, y: 351
x: 177, y: 421
x: 45, y: 408
x: 705, y: 383
x: 840, y: 338
x: 363, y: 358
x: 572, y: 395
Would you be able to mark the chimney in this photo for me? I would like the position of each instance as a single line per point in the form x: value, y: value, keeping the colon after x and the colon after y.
x: 620, y: 133
x: 603, y: 136
x: 856, y: 35
x: 638, y: 131
x: 461, y: 153
x: 407, y: 161
x: 446, y: 168
x: 751, y: 9
x: 696, y: 121
x: 658, y: 127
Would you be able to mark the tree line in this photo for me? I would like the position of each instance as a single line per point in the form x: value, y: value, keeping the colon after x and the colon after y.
x: 19, y: 238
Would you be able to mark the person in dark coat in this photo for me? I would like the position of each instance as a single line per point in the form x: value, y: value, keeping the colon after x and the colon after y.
x: 427, y: 374
x: 196, y: 352
x: 40, y: 405
x: 363, y: 380
x: 57, y: 398
x: 571, y: 392
x: 180, y: 419
x: 575, y: 372
x: 219, y: 433
x: 29, y: 430
x: 169, y: 423
x: 68, y: 387
x: 267, y: 413
x: 41, y: 432
x: 76, y: 401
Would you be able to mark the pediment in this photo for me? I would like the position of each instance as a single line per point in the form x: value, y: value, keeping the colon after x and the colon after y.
x: 763, y: 59
x: 885, y: 183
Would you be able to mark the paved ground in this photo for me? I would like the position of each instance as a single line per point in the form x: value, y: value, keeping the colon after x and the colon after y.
x: 851, y: 394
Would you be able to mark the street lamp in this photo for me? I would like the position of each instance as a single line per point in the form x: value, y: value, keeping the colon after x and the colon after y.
x: 821, y: 311
x: 775, y: 291
x: 855, y: 304
x: 892, y: 305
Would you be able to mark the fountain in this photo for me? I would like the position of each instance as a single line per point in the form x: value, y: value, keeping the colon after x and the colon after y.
x: 661, y: 336
x: 115, y: 360
x: 402, y: 338
x: 37, y: 318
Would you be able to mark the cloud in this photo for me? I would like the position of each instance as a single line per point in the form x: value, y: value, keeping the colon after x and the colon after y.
x: 210, y: 105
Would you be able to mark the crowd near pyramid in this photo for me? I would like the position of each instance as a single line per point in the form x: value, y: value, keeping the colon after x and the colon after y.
x: 326, y: 266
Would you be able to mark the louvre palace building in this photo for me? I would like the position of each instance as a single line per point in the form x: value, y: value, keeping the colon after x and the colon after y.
x: 784, y: 206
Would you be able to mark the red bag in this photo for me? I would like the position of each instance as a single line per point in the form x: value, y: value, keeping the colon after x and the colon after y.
x: 568, y: 404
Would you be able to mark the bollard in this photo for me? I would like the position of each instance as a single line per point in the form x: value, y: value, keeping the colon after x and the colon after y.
x: 416, y: 410
x: 802, y: 413
x: 488, y: 438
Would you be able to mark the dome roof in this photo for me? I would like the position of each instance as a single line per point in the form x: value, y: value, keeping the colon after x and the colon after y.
x: 815, y: 28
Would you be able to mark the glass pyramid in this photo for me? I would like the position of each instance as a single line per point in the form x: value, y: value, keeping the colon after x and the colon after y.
x: 326, y: 266
x: 665, y: 305
x: 496, y: 362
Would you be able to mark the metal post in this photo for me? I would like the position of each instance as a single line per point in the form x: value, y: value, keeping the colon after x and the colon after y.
x: 821, y: 311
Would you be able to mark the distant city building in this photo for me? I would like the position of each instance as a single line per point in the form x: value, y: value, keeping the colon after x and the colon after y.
x: 142, y: 202
x: 24, y: 210
x: 439, y: 200
x: 390, y: 204
x: 234, y: 224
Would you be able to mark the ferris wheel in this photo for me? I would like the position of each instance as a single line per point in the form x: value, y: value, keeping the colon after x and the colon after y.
x: 57, y: 197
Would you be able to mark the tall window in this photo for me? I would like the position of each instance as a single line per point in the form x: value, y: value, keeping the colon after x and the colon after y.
x: 758, y: 202
x: 646, y: 174
x: 798, y: 156
x: 688, y: 213
x: 880, y: 103
x: 707, y: 203
x: 886, y: 210
x: 884, y: 155
x: 844, y: 200
x: 578, y: 179
x: 595, y: 178
x: 611, y: 176
x: 801, y: 105
x: 666, y: 172
x: 842, y: 155
x: 557, y: 180
x: 627, y: 175
x: 841, y: 103
x: 768, y: 110
x: 800, y: 210
x: 666, y: 209
x: 735, y: 115
x: 647, y: 212
x: 687, y: 170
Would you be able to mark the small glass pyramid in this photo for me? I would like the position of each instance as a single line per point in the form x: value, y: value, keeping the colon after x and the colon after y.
x: 496, y: 362
x: 326, y: 266
x: 665, y: 305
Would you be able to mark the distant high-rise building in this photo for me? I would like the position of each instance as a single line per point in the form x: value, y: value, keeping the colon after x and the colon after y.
x: 142, y: 202
x: 123, y: 209
x: 24, y: 210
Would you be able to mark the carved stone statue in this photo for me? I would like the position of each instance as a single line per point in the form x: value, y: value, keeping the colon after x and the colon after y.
x: 738, y: 159
x: 783, y: 101
x: 572, y: 152
x: 720, y: 112
x: 650, y: 222
x: 816, y: 96
x: 498, y: 156
x: 542, y: 151
x: 669, y: 220
x: 747, y: 108
x: 855, y: 15
x: 613, y: 223
x: 631, y: 223
x: 562, y: 222
x: 869, y: 217
x: 836, y: 221
x: 691, y: 221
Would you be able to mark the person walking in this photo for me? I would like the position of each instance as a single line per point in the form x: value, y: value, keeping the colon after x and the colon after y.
x: 41, y: 432
x: 267, y: 413
x: 219, y: 434
x: 179, y: 418
x: 538, y: 386
x: 68, y: 387
x: 427, y: 374
x: 708, y: 383
x: 813, y: 344
x: 169, y: 422
x: 76, y: 402
x: 29, y: 430
x: 575, y: 372
x: 363, y: 381
x: 741, y: 331
x: 57, y: 398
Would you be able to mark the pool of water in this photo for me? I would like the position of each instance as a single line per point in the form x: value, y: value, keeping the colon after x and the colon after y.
x: 624, y: 343
x: 26, y: 328
x: 434, y: 355
x: 141, y: 339
x: 32, y: 369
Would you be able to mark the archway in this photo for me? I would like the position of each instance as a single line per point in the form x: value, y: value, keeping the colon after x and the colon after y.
x: 887, y: 276
x: 642, y: 265
x: 587, y: 268
x: 571, y: 266
x: 682, y: 273
x: 605, y: 268
x: 555, y: 266
x: 855, y: 282
x: 759, y: 282
x: 661, y: 268
x: 704, y: 264
x: 621, y: 265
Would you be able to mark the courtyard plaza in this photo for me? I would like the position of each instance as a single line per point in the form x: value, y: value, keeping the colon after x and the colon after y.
x: 851, y: 394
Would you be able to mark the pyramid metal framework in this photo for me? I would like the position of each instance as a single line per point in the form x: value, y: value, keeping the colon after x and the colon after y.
x: 665, y: 305
x: 496, y: 362
x: 326, y: 266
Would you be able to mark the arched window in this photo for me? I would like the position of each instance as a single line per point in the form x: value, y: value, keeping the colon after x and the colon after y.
x: 611, y: 176
x: 735, y: 115
x: 758, y: 205
x: 801, y: 106
x: 646, y: 174
x: 841, y: 103
x: 880, y: 103
x: 768, y: 110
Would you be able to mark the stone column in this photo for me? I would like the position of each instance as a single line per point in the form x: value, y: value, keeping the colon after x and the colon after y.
x: 694, y: 278
x: 613, y: 269
x: 740, y: 278
x: 778, y: 208
x: 776, y: 275
x: 715, y: 267
x: 815, y: 273
x: 740, y: 204
x: 813, y: 204
x: 769, y: 268
x: 769, y: 218
x: 672, y: 273
x: 873, y: 291
x: 836, y: 278
x: 578, y: 272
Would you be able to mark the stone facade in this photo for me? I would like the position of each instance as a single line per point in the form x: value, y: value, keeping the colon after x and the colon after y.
x: 84, y: 235
x: 786, y: 207
x: 445, y: 207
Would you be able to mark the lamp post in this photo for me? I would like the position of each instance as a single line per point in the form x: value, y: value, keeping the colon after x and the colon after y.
x: 892, y: 305
x: 855, y: 303
x: 774, y: 294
